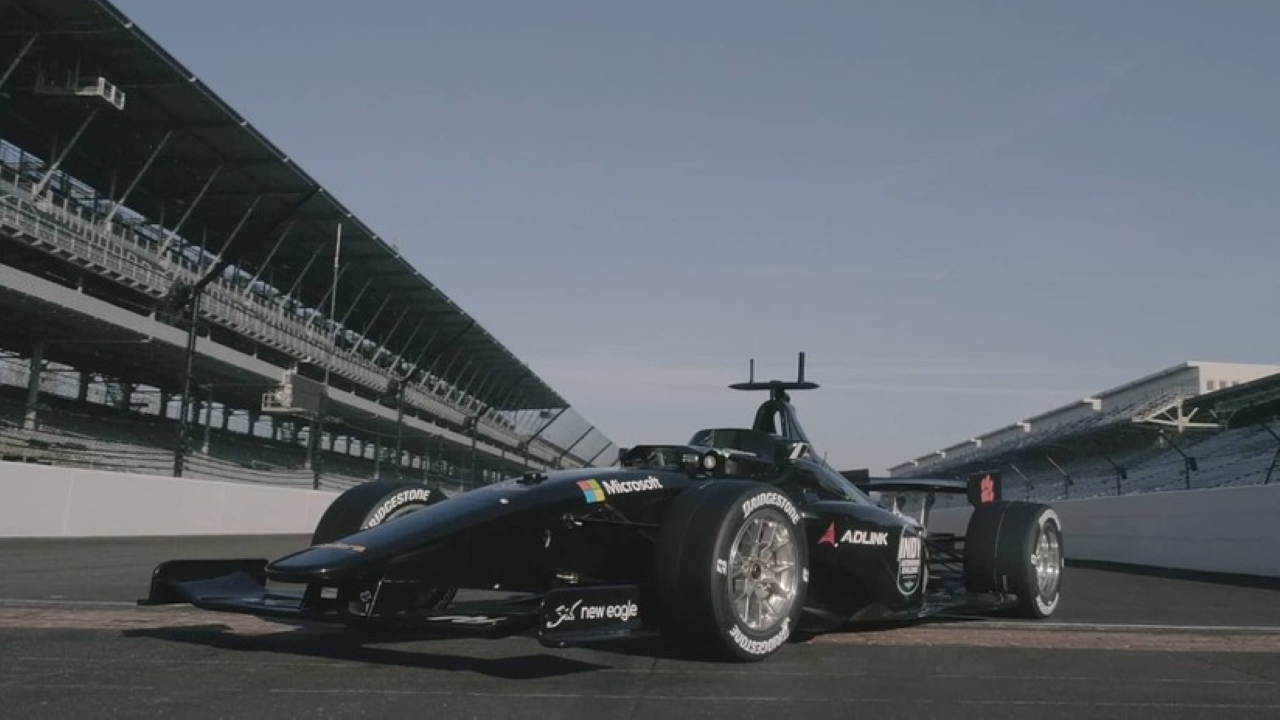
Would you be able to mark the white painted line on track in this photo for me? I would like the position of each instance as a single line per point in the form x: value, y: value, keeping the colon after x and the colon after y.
x: 1104, y: 627
x: 260, y: 663
x: 717, y: 699
x: 47, y: 602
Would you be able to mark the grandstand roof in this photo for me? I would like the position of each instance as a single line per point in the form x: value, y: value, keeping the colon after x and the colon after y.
x: 255, y: 192
x: 1175, y: 392
x: 1257, y: 399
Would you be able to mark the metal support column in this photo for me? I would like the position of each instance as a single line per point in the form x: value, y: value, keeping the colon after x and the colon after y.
x: 191, y: 206
x: 180, y: 446
x: 399, y: 424
x: 407, y: 343
x: 293, y: 289
x: 1026, y: 480
x: 1121, y: 473
x: 417, y: 361
x: 354, y: 303
x: 208, y: 419
x: 376, y: 315
x: 313, y: 450
x: 217, y: 259
x: 35, y: 370
x: 473, y: 424
x: 287, y: 229
x: 38, y: 190
x: 447, y: 344
x: 524, y: 450
x: 1275, y: 459
x: 115, y: 207
x: 581, y: 437
x: 382, y: 345
x: 606, y: 447
x: 1189, y: 464
x: 18, y: 60
x: 1067, y: 482
x: 188, y: 298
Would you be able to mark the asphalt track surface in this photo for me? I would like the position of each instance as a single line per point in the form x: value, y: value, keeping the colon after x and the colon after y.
x: 73, y: 644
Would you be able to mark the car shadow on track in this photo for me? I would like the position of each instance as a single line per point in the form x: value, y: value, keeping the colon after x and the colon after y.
x: 350, y: 646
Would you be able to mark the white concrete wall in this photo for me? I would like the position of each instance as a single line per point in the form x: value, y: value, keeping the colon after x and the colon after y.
x: 1226, y: 530
x: 41, y: 501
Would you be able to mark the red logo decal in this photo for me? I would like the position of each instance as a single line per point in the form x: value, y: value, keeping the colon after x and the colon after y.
x: 828, y: 537
x: 988, y: 489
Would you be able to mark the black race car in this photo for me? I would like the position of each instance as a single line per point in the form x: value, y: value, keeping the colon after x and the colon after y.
x: 728, y: 544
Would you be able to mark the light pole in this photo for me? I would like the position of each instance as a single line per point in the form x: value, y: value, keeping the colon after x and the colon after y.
x: 186, y: 298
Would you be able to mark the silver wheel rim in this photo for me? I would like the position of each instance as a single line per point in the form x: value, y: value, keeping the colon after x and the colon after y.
x: 762, y: 572
x: 1047, y: 562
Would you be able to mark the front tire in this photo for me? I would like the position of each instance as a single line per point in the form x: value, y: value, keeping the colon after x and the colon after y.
x: 375, y: 503
x: 732, y: 569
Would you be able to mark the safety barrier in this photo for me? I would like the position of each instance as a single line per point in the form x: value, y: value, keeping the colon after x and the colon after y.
x: 40, y: 501
x: 1221, y: 530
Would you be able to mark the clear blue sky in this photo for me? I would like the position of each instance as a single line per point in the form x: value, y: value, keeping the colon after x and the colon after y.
x: 966, y: 213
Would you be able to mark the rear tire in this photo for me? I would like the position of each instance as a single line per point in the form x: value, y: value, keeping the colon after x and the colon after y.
x: 375, y: 503
x: 731, y: 569
x: 1016, y: 548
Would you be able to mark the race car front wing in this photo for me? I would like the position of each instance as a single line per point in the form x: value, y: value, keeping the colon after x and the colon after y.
x: 570, y: 615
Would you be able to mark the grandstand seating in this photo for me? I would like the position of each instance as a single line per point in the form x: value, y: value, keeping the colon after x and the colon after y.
x: 125, y: 247
x: 93, y: 436
x: 1235, y: 457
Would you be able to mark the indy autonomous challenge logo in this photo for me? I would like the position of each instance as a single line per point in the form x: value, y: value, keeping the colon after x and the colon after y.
x: 909, y: 563
x: 595, y: 491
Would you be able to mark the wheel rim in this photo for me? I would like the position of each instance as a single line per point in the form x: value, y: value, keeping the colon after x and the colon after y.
x: 1047, y: 562
x: 762, y: 572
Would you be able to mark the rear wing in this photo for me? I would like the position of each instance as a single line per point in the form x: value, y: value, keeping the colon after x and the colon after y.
x: 981, y: 488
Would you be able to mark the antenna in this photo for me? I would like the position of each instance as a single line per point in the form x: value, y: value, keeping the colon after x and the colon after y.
x: 776, y: 387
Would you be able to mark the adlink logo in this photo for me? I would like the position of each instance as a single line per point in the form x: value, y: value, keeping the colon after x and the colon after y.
x: 864, y: 537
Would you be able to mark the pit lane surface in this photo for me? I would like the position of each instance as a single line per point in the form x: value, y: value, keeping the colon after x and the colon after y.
x: 72, y: 644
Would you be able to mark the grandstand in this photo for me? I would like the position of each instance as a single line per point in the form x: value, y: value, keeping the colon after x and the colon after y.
x: 1194, y: 425
x: 178, y: 295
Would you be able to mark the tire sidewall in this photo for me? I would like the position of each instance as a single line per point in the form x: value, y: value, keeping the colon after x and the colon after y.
x: 1046, y: 521
x: 740, y: 640
x: 999, y: 543
x: 397, y: 503
x: 369, y: 505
